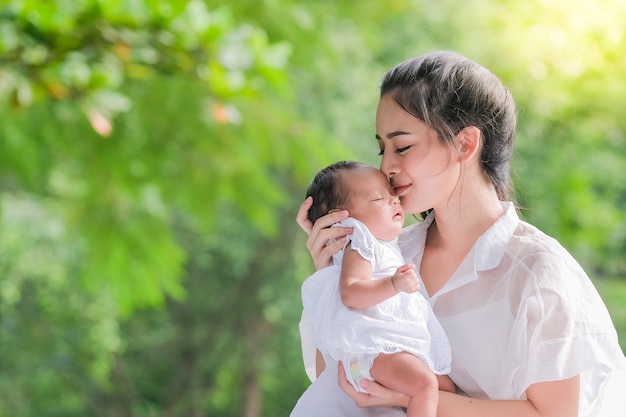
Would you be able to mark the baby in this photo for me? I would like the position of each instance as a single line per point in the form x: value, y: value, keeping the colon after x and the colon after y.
x: 364, y: 309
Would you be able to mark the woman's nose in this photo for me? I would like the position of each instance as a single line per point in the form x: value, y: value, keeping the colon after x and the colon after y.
x: 386, y: 166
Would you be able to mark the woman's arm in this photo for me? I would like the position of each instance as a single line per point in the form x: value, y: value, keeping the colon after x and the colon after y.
x: 545, y: 399
x: 376, y: 395
x: 321, y: 232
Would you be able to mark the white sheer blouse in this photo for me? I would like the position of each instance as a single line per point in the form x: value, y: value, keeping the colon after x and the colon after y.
x: 520, y: 310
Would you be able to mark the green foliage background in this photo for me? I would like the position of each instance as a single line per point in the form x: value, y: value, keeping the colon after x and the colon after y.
x: 153, y: 155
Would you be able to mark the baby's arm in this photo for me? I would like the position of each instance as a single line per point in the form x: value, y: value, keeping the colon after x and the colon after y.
x: 359, y: 290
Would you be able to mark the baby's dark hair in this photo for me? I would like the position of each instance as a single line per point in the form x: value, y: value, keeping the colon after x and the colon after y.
x: 326, y: 188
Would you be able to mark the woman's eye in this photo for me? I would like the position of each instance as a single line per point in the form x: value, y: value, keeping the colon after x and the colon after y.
x: 398, y: 150
x: 402, y: 150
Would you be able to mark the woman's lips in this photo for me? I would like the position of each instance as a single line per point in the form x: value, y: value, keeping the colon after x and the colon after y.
x: 400, y: 189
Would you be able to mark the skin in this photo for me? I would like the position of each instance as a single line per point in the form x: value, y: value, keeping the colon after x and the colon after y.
x: 373, y: 202
x: 427, y: 174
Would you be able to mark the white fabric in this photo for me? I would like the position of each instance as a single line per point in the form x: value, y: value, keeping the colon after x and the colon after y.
x: 520, y: 310
x: 402, y: 323
x: 307, y: 343
x: 324, y: 398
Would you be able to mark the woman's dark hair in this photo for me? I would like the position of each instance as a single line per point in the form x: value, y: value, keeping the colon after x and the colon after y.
x: 449, y: 92
x: 326, y: 188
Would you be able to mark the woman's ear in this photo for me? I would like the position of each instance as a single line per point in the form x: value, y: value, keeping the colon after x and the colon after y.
x: 468, y: 142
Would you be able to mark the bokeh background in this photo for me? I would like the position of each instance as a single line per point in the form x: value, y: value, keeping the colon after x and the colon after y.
x: 153, y: 155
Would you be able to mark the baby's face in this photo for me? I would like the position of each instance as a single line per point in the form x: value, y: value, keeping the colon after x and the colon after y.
x: 373, y: 202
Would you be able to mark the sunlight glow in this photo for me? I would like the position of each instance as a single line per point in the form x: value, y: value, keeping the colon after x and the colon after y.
x: 568, y: 38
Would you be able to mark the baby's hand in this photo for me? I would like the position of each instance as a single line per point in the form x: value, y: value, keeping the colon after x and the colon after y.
x: 405, y: 279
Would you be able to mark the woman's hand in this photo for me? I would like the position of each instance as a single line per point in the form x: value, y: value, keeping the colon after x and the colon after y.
x: 321, y: 232
x: 376, y: 395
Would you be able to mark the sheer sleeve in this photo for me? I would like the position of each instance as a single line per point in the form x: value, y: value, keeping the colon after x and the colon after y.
x: 362, y: 241
x: 307, y: 343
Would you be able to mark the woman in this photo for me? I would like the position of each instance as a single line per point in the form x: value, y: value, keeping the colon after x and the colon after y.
x: 529, y: 333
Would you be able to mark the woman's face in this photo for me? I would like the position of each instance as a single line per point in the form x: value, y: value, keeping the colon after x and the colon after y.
x: 422, y: 171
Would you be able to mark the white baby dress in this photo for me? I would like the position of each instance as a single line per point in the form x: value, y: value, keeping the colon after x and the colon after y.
x: 402, y: 323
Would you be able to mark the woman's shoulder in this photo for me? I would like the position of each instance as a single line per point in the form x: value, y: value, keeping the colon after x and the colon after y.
x: 528, y: 243
x: 539, y: 262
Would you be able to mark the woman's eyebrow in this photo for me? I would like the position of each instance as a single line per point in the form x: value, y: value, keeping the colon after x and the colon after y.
x: 393, y: 134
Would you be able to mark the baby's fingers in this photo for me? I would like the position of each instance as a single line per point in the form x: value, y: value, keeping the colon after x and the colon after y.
x: 405, y: 268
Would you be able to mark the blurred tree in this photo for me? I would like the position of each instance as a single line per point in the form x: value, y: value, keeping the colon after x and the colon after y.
x: 564, y: 66
x: 68, y: 68
x: 56, y: 343
x: 118, y: 123
x: 229, y: 347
